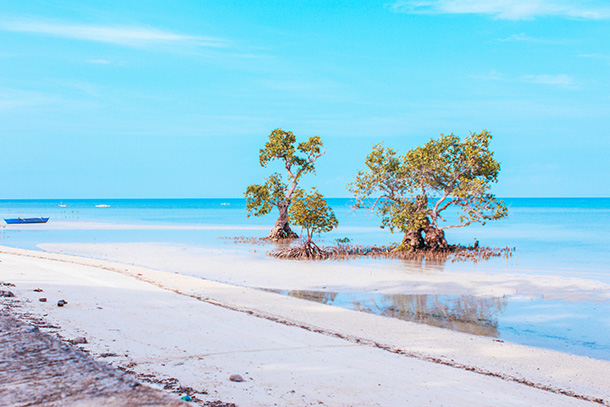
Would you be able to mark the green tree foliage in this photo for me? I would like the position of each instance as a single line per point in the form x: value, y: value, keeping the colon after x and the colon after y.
x: 411, y: 192
x: 312, y: 213
x: 263, y: 198
x: 297, y: 160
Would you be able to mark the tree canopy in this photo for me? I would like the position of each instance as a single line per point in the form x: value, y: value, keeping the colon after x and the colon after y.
x: 297, y: 160
x: 263, y: 198
x: 411, y: 192
x: 312, y: 213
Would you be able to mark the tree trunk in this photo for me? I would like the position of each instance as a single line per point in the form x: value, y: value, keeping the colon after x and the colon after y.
x: 435, y: 238
x: 413, y: 239
x: 282, y: 230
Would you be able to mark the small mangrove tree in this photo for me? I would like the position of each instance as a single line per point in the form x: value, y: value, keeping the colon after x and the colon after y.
x: 311, y: 212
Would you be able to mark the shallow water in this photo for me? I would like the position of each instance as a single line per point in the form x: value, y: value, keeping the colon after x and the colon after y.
x: 561, y: 234
x: 577, y: 328
x: 562, y: 237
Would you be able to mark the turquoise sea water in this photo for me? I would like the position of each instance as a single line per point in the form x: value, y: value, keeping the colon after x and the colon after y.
x: 552, y: 236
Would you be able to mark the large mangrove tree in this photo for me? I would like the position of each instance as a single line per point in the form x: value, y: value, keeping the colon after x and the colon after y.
x: 296, y: 160
x: 412, y: 192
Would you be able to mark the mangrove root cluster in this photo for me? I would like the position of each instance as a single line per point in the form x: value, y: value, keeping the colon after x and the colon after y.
x: 303, y: 251
x: 452, y: 253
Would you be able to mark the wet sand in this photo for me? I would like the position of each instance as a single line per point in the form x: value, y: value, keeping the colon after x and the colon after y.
x: 238, y: 267
x: 289, y: 351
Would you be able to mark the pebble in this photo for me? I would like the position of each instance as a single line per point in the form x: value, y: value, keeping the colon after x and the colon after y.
x: 38, y: 290
x: 31, y: 329
x: 236, y: 378
x: 43, y: 299
x: 61, y: 303
x: 80, y: 339
x: 6, y: 293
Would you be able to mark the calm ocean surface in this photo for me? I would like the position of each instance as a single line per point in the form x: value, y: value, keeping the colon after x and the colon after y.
x: 557, y: 236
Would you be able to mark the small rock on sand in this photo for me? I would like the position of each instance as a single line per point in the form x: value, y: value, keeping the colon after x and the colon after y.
x: 236, y: 378
x: 43, y: 299
x: 6, y: 293
x: 61, y: 303
x: 78, y: 340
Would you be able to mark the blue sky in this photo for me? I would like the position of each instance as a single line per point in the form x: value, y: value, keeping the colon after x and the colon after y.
x: 147, y: 99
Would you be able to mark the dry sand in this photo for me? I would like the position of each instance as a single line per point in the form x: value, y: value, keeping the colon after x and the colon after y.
x: 289, y: 351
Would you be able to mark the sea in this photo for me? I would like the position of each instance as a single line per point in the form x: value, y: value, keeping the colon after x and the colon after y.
x: 565, y: 237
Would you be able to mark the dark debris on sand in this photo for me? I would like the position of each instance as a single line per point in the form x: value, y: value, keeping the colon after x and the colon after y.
x: 37, y: 369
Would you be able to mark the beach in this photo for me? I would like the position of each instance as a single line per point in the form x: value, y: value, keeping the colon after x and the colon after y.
x: 161, y: 324
x: 348, y: 203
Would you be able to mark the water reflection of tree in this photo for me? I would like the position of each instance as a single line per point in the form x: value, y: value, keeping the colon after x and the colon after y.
x: 461, y: 313
x: 425, y: 265
x: 318, y: 296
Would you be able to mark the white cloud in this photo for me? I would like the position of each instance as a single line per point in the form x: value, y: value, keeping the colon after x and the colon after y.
x: 562, y: 80
x: 522, y: 37
x: 11, y: 98
x: 559, y: 80
x: 99, y: 61
x: 600, y: 57
x: 519, y: 37
x: 507, y: 9
x: 492, y: 75
x: 129, y: 36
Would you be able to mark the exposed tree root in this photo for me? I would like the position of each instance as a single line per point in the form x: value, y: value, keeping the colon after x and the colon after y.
x: 304, y: 251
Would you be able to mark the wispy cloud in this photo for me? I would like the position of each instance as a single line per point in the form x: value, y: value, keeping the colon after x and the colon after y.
x: 522, y: 37
x: 288, y: 85
x: 11, y: 98
x: 507, y: 9
x: 561, y: 80
x: 99, y: 61
x: 600, y: 57
x: 558, y: 80
x: 492, y: 75
x: 133, y: 36
x: 519, y: 37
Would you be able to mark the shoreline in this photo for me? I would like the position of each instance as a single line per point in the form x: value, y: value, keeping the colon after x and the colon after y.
x: 386, y: 276
x: 268, y: 327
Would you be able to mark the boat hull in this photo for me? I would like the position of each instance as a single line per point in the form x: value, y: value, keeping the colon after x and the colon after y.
x: 19, y: 221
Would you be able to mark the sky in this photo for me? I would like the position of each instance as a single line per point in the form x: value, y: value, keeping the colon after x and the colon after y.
x: 157, y: 99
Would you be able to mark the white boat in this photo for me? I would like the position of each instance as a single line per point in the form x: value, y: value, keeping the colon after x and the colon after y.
x: 102, y: 206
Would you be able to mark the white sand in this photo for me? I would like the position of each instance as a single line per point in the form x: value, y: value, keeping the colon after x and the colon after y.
x: 384, y: 277
x: 291, y: 352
